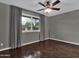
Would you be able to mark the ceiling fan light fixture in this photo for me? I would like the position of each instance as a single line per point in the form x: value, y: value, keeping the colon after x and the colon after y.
x: 49, y: 6
x: 47, y: 10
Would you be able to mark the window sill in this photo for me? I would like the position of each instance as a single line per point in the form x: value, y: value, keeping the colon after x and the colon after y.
x: 31, y: 31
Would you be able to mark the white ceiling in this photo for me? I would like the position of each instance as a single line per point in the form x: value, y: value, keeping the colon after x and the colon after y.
x: 65, y: 5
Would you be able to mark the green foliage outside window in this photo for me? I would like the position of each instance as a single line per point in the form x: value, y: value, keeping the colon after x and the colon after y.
x: 35, y: 26
x: 28, y: 26
x: 30, y: 23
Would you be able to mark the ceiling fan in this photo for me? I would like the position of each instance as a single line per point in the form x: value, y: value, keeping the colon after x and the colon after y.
x: 49, y: 6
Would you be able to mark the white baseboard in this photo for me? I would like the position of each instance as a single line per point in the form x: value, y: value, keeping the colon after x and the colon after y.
x: 65, y: 41
x: 33, y: 42
x: 29, y: 43
x: 5, y: 49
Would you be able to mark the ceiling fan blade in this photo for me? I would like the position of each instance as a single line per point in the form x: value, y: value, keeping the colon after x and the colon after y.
x: 40, y: 9
x: 56, y: 2
x: 48, y: 3
x: 56, y: 9
x: 42, y: 4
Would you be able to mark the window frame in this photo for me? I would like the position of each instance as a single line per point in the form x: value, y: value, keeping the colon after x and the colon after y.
x: 31, y: 17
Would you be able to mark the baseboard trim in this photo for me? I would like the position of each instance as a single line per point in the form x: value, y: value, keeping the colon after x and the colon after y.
x: 5, y: 49
x: 33, y: 42
x: 29, y: 43
x: 65, y: 41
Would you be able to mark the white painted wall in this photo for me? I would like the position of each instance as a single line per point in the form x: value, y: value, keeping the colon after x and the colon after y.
x: 65, y: 26
x: 4, y: 25
x: 33, y: 36
x: 4, y: 28
x: 29, y: 37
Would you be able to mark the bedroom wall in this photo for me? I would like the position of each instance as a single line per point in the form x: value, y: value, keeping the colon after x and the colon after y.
x: 32, y: 36
x: 47, y: 27
x: 29, y: 36
x: 65, y: 26
x: 4, y: 26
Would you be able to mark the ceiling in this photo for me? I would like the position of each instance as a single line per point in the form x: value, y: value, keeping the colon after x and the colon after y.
x: 65, y: 5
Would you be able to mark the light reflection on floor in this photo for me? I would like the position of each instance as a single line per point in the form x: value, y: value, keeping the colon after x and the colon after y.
x: 33, y: 55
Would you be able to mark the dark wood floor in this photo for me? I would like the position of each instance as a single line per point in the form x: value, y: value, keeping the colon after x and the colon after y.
x: 46, y: 49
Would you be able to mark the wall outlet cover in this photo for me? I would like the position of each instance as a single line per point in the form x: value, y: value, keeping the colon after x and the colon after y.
x: 2, y: 44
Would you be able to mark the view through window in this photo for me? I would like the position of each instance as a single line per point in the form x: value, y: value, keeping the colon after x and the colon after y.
x: 30, y: 23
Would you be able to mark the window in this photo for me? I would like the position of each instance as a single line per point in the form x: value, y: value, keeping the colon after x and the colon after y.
x: 30, y: 23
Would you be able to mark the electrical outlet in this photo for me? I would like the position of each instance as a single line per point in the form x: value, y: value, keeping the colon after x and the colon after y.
x: 2, y: 44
